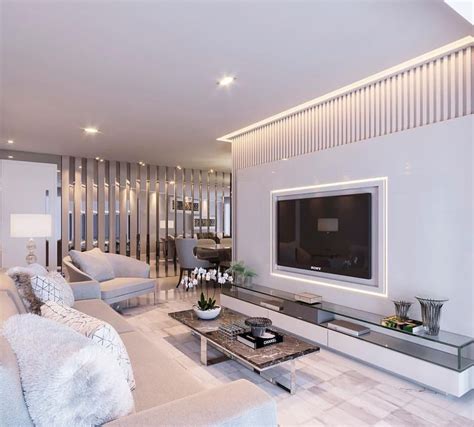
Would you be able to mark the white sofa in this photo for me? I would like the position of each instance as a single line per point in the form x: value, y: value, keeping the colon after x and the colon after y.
x: 165, y: 394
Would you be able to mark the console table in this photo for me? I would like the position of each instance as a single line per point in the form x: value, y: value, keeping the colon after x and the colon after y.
x: 444, y: 362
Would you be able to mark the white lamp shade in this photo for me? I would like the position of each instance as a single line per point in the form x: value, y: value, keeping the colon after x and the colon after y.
x: 163, y: 224
x: 328, y: 224
x: 30, y: 225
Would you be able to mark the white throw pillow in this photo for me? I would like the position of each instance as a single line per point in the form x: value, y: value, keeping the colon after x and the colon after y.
x: 97, y: 330
x: 31, y: 269
x: 52, y: 287
x: 66, y: 378
x: 94, y: 263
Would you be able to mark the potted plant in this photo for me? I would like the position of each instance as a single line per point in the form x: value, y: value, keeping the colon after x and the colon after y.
x: 206, y: 307
x: 241, y: 273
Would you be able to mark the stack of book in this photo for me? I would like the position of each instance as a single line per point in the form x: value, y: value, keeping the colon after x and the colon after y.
x: 269, y: 338
x: 308, y: 298
x: 413, y: 326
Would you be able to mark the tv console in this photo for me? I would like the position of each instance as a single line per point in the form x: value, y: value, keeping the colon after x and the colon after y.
x: 444, y: 362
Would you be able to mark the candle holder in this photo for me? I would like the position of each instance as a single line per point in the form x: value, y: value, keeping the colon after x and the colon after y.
x: 431, y: 313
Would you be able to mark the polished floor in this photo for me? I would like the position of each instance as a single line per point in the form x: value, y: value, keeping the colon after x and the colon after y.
x: 332, y: 390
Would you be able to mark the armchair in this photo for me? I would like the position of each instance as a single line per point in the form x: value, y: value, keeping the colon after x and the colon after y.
x: 131, y: 278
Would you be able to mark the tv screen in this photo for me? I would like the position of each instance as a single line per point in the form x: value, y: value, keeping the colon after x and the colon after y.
x: 330, y: 234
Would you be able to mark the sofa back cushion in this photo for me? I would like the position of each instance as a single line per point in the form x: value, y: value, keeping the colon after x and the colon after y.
x: 52, y: 287
x: 94, y: 263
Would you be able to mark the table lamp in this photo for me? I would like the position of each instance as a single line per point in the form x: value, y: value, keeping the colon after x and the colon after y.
x: 30, y: 226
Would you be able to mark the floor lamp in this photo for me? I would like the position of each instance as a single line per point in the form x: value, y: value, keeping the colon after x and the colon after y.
x: 30, y: 226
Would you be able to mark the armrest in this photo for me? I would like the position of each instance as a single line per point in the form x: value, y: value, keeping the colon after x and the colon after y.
x: 85, y: 290
x: 239, y: 403
x: 125, y: 266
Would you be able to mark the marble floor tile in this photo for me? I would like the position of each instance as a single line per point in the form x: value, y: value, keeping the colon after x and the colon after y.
x: 333, y: 390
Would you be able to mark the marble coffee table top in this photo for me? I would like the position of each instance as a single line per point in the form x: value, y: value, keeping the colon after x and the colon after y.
x: 291, y: 348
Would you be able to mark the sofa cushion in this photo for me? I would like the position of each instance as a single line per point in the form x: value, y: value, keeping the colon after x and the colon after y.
x: 125, y: 266
x: 52, y: 287
x: 101, y: 310
x: 24, y: 289
x: 121, y: 286
x: 97, y: 330
x: 94, y: 263
x: 34, y: 269
x: 66, y: 378
x: 158, y: 378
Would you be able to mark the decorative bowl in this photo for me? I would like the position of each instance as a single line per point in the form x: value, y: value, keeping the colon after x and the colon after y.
x: 258, y: 325
x: 207, y: 314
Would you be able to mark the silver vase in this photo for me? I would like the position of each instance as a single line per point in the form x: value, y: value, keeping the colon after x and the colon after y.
x: 401, y: 309
x: 431, y: 313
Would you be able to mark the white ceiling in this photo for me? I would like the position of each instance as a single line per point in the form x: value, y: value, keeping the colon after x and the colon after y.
x: 145, y: 72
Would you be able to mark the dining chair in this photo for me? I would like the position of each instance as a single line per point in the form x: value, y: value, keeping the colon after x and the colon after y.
x: 226, y: 241
x: 186, y: 258
x: 206, y: 243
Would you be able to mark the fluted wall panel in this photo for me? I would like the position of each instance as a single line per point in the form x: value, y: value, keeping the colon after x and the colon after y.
x: 435, y: 89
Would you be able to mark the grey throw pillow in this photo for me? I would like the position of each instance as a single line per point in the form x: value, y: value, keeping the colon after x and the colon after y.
x: 94, y: 263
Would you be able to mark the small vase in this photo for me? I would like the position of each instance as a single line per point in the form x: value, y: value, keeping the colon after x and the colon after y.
x: 431, y: 313
x: 401, y: 309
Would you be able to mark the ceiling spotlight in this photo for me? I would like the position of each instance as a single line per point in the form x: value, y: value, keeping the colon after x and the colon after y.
x: 97, y: 158
x: 285, y: 158
x: 10, y: 141
x: 90, y: 130
x: 141, y: 163
x: 172, y: 182
x: 226, y: 81
x: 211, y: 170
x: 10, y: 157
x: 101, y: 160
x: 179, y: 167
x: 58, y: 171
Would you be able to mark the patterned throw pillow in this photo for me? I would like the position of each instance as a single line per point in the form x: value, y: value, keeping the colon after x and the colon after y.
x: 52, y: 287
x: 97, y: 330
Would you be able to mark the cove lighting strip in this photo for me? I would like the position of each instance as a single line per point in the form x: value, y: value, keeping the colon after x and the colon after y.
x: 429, y: 56
x: 384, y: 180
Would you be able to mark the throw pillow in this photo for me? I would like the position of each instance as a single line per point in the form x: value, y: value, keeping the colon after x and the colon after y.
x: 52, y: 287
x: 66, y: 378
x: 97, y: 330
x: 23, y: 285
x: 94, y: 263
x: 31, y: 269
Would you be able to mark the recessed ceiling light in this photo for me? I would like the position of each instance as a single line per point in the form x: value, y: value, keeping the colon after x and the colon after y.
x: 172, y: 182
x: 10, y: 157
x: 211, y: 170
x: 10, y: 141
x: 97, y: 158
x: 226, y: 81
x: 90, y: 130
x: 179, y: 167
x: 101, y: 160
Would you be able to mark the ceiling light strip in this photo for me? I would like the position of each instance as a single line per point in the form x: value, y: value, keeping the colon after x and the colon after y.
x: 419, y: 60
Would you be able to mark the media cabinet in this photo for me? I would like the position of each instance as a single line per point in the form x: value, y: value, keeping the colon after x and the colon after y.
x: 444, y: 362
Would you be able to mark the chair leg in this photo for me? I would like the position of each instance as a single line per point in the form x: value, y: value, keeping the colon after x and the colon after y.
x: 181, y: 270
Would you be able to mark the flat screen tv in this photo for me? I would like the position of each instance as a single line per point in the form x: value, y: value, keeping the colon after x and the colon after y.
x: 326, y: 234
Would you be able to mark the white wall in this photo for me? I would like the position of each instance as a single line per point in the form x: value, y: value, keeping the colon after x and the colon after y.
x: 430, y: 215
x: 23, y: 188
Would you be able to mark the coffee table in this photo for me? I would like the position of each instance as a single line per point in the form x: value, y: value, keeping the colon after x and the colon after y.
x: 260, y: 360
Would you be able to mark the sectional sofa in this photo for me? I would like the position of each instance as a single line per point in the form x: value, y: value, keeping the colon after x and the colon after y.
x: 165, y: 395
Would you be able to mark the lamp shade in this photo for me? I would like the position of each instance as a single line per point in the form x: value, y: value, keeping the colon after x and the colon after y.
x: 30, y: 225
x: 328, y: 224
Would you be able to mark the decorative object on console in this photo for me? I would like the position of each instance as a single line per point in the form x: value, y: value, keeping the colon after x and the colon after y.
x: 258, y: 325
x: 431, y: 313
x: 30, y: 226
x: 95, y: 329
x: 230, y: 330
x: 241, y: 273
x: 401, y: 309
x: 408, y: 325
x: 348, y: 327
x: 66, y: 378
x: 308, y: 298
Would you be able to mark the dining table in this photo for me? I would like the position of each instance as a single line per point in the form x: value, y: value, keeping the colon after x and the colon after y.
x: 220, y: 254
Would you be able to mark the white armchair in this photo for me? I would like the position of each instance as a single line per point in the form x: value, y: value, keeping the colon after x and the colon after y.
x: 131, y: 278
